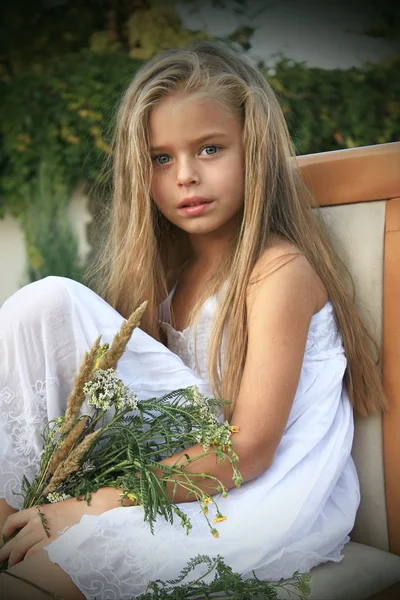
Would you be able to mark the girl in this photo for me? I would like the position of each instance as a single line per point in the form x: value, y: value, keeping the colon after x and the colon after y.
x: 208, y: 206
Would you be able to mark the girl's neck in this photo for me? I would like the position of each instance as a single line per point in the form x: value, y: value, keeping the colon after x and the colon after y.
x: 208, y: 249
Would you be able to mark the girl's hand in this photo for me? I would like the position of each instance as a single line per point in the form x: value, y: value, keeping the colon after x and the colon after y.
x: 32, y: 536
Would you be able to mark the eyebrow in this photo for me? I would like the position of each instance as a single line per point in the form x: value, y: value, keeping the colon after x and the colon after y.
x: 199, y: 140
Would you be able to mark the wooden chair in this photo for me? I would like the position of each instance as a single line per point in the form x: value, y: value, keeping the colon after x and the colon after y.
x: 358, y: 191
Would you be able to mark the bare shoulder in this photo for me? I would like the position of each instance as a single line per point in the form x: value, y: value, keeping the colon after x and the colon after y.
x: 282, y: 265
x: 283, y: 294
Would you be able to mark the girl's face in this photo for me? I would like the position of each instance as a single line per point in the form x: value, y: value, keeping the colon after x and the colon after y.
x: 198, y: 160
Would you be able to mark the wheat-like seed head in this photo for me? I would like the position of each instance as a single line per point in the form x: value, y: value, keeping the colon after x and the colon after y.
x: 72, y: 463
x: 77, y: 396
x: 121, y: 339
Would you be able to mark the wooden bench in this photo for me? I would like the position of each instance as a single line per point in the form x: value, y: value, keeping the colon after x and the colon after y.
x: 358, y: 192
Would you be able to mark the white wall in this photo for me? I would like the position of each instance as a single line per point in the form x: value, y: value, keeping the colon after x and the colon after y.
x: 12, y: 257
x: 12, y: 247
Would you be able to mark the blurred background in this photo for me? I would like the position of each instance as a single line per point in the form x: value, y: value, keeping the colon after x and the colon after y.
x: 65, y: 63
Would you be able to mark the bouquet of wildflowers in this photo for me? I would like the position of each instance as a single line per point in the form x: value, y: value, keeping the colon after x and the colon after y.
x: 120, y: 442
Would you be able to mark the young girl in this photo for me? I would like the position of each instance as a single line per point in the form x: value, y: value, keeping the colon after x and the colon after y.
x: 213, y: 226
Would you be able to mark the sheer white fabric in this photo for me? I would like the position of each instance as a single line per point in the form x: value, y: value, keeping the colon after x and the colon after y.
x: 295, y: 516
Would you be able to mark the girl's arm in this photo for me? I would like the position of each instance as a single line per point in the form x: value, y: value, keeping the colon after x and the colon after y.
x: 285, y: 293
x: 280, y: 303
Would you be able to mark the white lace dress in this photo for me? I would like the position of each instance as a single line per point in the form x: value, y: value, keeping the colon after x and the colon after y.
x: 295, y: 516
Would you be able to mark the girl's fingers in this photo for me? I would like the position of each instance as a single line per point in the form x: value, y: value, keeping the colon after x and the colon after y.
x: 38, y: 547
x: 16, y: 521
x: 19, y: 548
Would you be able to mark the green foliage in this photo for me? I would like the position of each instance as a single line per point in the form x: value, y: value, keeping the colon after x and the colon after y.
x: 385, y: 23
x: 51, y: 243
x: 34, y: 30
x: 155, y: 28
x: 333, y: 109
x: 225, y: 585
x: 62, y: 116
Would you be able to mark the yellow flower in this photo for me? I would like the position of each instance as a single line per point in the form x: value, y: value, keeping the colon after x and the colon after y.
x: 219, y: 518
x: 131, y: 497
x: 204, y: 509
x: 238, y: 480
x: 214, y: 533
x: 234, y: 429
x: 207, y: 500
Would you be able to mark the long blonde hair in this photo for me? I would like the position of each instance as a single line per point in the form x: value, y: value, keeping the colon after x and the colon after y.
x: 144, y: 251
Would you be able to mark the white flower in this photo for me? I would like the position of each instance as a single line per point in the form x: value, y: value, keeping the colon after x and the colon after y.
x: 106, y: 390
x: 54, y: 497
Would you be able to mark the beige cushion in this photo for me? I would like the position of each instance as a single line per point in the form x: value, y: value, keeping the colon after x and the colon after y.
x: 357, y: 234
x: 364, y: 571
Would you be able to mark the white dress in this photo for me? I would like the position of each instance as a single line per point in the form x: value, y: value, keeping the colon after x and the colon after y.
x: 293, y: 517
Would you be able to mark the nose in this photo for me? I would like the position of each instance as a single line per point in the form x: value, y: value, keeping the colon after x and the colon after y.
x: 187, y: 172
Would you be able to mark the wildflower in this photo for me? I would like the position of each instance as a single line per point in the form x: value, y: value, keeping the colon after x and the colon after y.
x: 214, y: 433
x: 106, y: 390
x: 219, y: 518
x: 54, y: 497
x: 87, y: 466
x: 238, y: 480
x: 234, y: 429
x: 214, y: 533
x: 204, y: 504
x: 131, y: 497
x: 196, y: 397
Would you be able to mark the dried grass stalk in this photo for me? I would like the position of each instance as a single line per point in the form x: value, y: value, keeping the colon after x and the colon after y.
x: 66, y: 446
x: 72, y: 463
x: 121, y: 339
x: 77, y: 395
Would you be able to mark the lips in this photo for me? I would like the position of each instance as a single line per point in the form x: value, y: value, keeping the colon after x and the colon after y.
x: 195, y: 201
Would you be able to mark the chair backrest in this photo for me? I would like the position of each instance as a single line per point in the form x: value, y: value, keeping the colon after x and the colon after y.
x: 358, y: 191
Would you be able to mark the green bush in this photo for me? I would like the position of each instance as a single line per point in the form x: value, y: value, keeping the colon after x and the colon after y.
x: 62, y: 116
x: 334, y: 109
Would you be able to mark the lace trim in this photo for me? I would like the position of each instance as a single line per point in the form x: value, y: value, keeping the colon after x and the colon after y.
x: 21, y: 425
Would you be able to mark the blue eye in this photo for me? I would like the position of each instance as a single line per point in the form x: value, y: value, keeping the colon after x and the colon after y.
x: 213, y: 147
x: 158, y: 161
